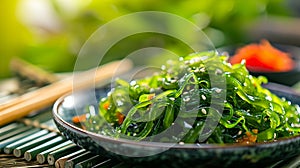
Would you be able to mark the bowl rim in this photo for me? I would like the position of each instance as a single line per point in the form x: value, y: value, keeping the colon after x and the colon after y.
x: 188, y: 146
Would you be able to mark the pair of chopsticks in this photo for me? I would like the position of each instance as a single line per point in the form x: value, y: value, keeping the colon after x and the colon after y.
x: 25, y: 69
x: 21, y: 106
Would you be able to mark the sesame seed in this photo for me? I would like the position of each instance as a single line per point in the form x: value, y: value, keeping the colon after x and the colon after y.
x: 186, y: 99
x: 133, y: 83
x: 218, y: 72
x: 218, y: 90
x: 203, y: 111
x: 225, y: 53
x: 192, y: 61
x: 173, y: 81
x: 197, y: 59
x: 170, y: 71
x: 243, y: 61
x: 170, y: 62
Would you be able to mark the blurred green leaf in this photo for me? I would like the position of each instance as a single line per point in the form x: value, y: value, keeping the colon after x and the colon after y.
x: 12, y: 35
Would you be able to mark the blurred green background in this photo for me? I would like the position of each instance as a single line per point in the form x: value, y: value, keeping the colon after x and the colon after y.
x: 50, y: 33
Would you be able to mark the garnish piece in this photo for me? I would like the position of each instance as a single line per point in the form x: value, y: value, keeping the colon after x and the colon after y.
x: 263, y: 57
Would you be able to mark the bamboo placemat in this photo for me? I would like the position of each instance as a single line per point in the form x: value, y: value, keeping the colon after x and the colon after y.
x: 9, y: 160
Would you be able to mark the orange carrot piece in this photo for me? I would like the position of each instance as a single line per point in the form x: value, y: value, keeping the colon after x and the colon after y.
x: 248, y: 137
x: 106, y: 105
x: 79, y: 118
x: 120, y: 117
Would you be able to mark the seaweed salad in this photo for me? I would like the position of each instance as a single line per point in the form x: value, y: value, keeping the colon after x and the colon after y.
x: 182, y: 96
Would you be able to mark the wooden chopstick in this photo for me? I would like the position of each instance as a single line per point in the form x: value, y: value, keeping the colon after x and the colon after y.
x: 29, y: 71
x: 33, y: 72
x: 45, y: 96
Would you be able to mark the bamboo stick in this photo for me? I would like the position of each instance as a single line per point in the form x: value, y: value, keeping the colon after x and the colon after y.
x: 15, y: 132
x: 72, y: 162
x: 23, y: 105
x: 89, y: 162
x: 42, y: 157
x: 107, y: 163
x: 35, y: 73
x: 60, y: 163
x: 10, y: 127
x: 9, y: 148
x: 16, y: 138
x: 33, y: 152
x: 53, y: 156
x: 20, y: 150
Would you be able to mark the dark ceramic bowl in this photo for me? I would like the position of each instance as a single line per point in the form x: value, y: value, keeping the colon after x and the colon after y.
x: 167, y: 154
x: 288, y: 78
